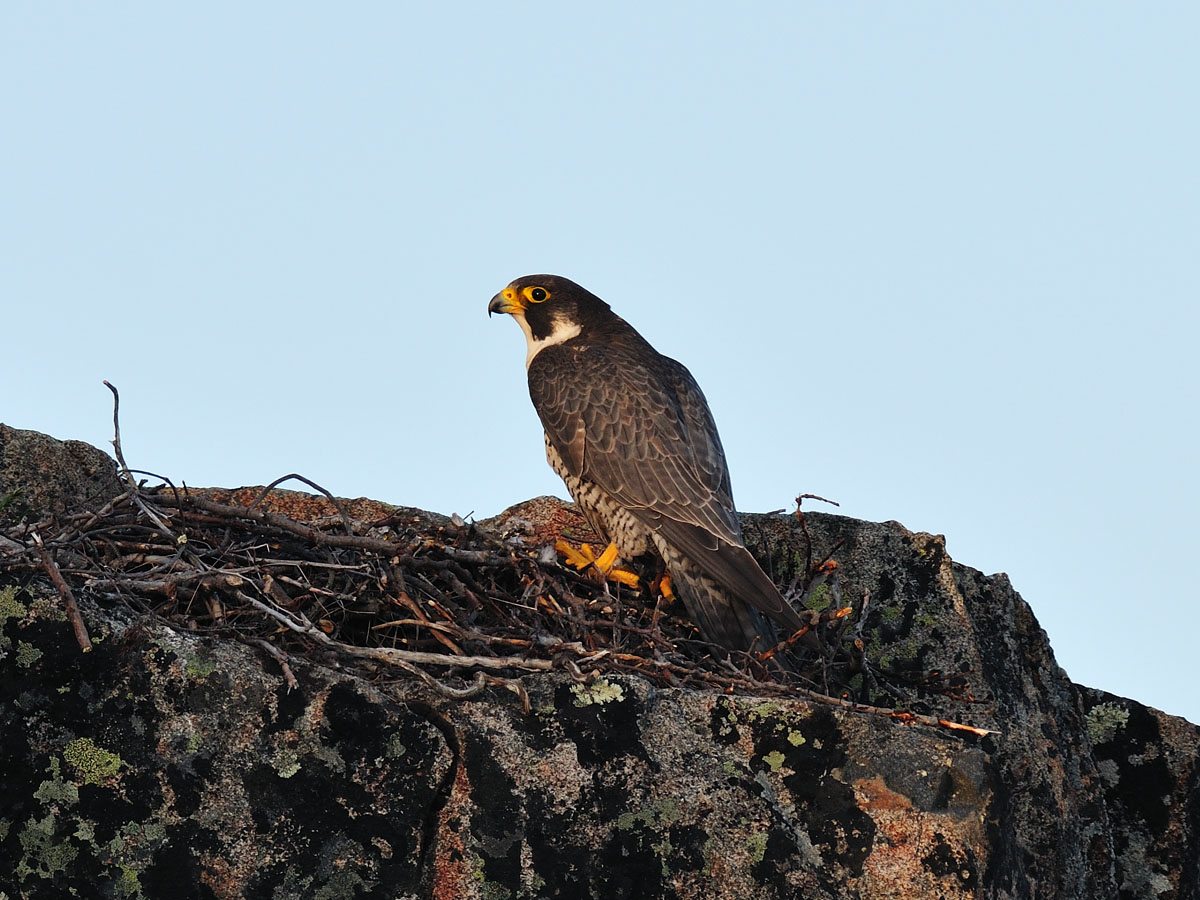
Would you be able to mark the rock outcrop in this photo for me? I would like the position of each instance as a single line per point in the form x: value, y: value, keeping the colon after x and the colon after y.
x: 166, y: 764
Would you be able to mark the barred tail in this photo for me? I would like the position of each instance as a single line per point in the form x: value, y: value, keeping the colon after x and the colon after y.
x: 723, y: 618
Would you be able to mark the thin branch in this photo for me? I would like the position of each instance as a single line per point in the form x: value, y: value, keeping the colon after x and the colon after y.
x: 392, y: 656
x: 337, y: 504
x: 282, y: 658
x: 129, y: 479
x: 64, y: 591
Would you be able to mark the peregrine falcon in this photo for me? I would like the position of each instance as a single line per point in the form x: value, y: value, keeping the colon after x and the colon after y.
x: 631, y: 434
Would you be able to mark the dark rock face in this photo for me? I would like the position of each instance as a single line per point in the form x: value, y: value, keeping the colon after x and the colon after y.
x: 168, y: 766
x: 163, y: 764
x: 1147, y: 765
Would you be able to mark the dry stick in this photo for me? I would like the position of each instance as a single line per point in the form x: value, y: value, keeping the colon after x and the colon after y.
x: 85, y: 520
x: 807, y: 573
x: 282, y: 659
x: 10, y: 546
x: 784, y: 690
x: 897, y: 714
x: 142, y: 505
x: 419, y: 623
x: 354, y: 542
x: 220, y: 578
x: 64, y: 591
x: 337, y: 504
x: 407, y: 659
x: 307, y: 532
x: 403, y: 659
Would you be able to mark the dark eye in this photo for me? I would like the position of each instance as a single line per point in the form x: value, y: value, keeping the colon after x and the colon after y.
x: 537, y: 295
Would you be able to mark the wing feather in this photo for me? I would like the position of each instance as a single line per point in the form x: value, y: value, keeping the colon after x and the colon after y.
x: 636, y: 424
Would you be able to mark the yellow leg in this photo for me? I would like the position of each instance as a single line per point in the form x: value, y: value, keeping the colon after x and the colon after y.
x: 580, y: 559
x: 606, y: 560
x: 624, y: 576
x: 664, y: 587
x: 604, y: 563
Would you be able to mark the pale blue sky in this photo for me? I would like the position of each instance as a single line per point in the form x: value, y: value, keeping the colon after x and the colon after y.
x: 937, y: 261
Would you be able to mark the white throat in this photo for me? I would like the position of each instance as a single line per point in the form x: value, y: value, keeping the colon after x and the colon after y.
x: 562, y: 331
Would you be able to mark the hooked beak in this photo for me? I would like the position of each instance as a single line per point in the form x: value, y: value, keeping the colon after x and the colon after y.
x: 507, y: 301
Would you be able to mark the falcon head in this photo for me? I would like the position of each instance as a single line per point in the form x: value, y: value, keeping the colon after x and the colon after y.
x: 550, y: 310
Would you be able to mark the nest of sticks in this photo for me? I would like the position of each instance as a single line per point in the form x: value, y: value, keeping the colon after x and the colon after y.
x: 448, y: 602
x: 451, y: 604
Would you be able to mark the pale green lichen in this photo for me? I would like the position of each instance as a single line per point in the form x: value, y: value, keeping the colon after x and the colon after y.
x: 795, y: 738
x: 774, y: 759
x: 1105, y: 720
x: 96, y: 764
x: 489, y: 890
x: 756, y: 846
x: 599, y: 692
x: 10, y: 607
x: 55, y: 789
x: 820, y: 599
x: 27, y: 654
x: 43, y: 856
x: 658, y: 817
x: 130, y: 836
x: 536, y: 887
x: 199, y: 668
x: 128, y: 885
x: 663, y: 813
x: 341, y: 885
x: 49, y: 608
x: 328, y: 756
x: 286, y: 762
x: 394, y: 747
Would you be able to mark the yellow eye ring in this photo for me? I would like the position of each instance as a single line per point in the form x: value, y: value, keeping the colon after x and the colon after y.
x: 536, y: 294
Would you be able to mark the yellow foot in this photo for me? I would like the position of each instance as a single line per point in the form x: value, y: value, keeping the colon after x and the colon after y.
x: 664, y: 588
x: 580, y: 559
x: 605, y: 563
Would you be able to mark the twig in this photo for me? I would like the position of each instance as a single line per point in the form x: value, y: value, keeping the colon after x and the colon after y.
x: 898, y: 715
x: 129, y: 479
x: 283, y: 523
x: 64, y: 591
x: 405, y: 658
x: 222, y: 578
x: 282, y: 658
x: 337, y: 504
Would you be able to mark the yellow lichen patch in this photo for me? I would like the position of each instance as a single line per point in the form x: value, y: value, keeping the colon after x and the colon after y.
x: 1104, y: 721
x: 599, y: 692
x: 10, y: 606
x: 774, y: 759
x: 27, y: 654
x: 95, y: 764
